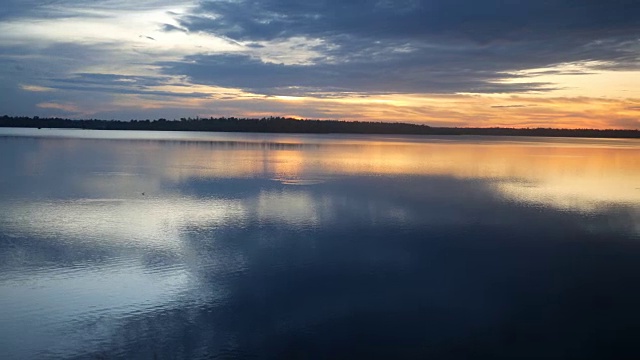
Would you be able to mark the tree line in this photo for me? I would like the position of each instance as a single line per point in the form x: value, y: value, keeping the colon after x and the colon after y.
x: 290, y: 125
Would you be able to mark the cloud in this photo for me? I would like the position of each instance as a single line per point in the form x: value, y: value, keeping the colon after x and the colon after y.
x: 486, y: 21
x: 66, y: 9
x: 114, y: 79
x: 70, y: 108
x: 625, y: 123
x: 508, y: 106
x: 245, y: 57
x: 395, y: 75
x: 35, y: 88
x: 434, y: 46
x: 169, y: 27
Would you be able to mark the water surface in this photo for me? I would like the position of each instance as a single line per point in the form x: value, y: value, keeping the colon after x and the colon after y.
x: 123, y: 245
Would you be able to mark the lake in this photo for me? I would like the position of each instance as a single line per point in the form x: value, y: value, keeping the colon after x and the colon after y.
x: 179, y: 245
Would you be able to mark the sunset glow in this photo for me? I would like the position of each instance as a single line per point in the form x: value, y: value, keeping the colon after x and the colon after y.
x: 441, y: 63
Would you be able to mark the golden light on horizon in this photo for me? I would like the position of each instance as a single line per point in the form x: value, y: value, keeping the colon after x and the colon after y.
x: 472, y: 110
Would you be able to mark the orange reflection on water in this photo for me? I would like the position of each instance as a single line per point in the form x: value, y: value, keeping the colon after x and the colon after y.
x: 561, y: 172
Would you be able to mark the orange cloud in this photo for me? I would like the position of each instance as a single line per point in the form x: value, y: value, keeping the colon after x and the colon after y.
x: 65, y: 107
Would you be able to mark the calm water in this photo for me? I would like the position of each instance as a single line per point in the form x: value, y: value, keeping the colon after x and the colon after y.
x: 120, y: 245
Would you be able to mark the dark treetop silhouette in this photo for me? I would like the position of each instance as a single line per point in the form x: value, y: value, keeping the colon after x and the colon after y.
x: 290, y: 125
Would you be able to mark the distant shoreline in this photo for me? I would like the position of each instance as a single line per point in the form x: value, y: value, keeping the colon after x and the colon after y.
x: 289, y: 125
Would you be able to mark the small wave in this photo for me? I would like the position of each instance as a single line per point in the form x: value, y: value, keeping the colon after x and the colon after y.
x: 299, y: 182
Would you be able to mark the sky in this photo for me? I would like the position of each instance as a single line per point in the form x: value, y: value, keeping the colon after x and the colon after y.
x: 517, y: 63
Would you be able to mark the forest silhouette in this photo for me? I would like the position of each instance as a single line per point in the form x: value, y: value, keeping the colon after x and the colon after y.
x: 291, y: 125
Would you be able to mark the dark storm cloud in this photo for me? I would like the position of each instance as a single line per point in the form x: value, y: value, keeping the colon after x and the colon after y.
x: 121, y: 84
x: 485, y: 21
x: 132, y: 91
x: 114, y: 79
x: 387, y: 77
x: 20, y: 8
x: 414, y: 45
x: 23, y: 66
x: 40, y: 63
x: 50, y: 70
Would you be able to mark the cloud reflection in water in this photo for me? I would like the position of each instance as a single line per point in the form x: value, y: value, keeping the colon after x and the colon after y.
x: 324, y: 246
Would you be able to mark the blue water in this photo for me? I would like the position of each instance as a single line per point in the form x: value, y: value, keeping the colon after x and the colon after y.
x: 127, y: 245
